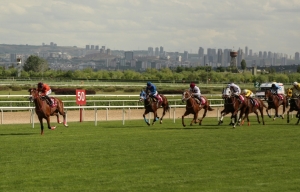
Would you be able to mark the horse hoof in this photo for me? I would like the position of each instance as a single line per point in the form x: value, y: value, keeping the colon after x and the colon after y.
x: 66, y: 125
x: 52, y: 128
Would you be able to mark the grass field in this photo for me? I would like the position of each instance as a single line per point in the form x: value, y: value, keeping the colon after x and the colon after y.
x: 167, y: 157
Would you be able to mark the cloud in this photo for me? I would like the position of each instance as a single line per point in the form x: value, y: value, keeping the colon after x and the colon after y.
x: 271, y: 25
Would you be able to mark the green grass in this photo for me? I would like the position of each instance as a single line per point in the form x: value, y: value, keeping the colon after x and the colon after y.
x: 167, y: 157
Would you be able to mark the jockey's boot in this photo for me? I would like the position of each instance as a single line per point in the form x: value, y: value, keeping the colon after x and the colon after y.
x: 49, y: 101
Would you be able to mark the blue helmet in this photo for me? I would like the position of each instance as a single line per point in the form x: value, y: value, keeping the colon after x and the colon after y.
x: 148, y: 83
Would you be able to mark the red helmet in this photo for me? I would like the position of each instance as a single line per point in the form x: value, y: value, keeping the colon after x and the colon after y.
x: 192, y: 85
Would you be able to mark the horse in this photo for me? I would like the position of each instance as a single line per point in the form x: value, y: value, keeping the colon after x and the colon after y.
x: 294, y: 106
x: 228, y: 107
x: 192, y: 107
x: 247, y: 106
x: 152, y: 105
x: 44, y: 111
x: 274, y: 102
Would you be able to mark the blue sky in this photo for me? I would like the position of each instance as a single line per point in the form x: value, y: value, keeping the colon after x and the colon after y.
x: 262, y: 25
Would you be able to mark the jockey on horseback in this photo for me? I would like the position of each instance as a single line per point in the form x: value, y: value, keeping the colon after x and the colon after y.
x: 249, y: 94
x: 153, y: 92
x: 274, y: 89
x: 295, y: 89
x: 195, y: 92
x: 236, y: 91
x: 45, y: 91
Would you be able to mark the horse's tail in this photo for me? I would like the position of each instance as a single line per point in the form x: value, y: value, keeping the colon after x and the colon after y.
x: 209, y: 108
x: 263, y: 104
x: 165, y: 103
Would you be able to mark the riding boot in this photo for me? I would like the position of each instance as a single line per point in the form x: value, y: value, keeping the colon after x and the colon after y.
x: 49, y: 100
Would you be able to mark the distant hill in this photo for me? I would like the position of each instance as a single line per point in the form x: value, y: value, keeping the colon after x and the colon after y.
x: 33, y: 49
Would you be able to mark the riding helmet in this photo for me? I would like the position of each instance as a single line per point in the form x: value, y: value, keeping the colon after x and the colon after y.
x: 148, y: 83
x: 192, y: 85
x: 40, y: 85
x: 295, y: 83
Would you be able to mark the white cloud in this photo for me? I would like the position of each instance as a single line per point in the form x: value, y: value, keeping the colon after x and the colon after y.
x: 271, y: 25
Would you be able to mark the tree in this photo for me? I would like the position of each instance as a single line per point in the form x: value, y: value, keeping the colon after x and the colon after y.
x: 36, y: 64
x: 243, y: 65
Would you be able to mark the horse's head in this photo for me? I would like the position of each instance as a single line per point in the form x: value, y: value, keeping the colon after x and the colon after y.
x: 226, y: 93
x: 268, y: 94
x: 32, y: 94
x: 186, y: 95
x: 142, y: 95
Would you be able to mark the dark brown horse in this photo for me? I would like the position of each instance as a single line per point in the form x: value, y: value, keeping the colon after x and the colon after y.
x: 192, y: 107
x: 228, y: 107
x: 294, y: 106
x: 44, y: 111
x: 246, y: 107
x: 274, y: 102
x: 152, y: 105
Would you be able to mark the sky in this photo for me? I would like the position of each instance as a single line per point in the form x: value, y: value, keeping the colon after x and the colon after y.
x: 177, y: 25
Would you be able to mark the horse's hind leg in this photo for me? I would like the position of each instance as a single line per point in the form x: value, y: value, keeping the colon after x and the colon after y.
x: 256, y: 113
x: 162, y: 116
x: 204, y: 114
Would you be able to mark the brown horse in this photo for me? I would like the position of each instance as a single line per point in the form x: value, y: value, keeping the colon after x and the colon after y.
x: 228, y: 107
x: 192, y: 107
x: 248, y: 106
x: 294, y: 106
x: 151, y: 105
x: 44, y: 111
x: 274, y: 102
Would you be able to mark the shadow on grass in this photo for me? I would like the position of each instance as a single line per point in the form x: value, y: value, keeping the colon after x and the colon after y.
x: 5, y: 134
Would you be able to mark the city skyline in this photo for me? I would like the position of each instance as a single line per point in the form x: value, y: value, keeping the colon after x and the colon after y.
x: 136, y: 25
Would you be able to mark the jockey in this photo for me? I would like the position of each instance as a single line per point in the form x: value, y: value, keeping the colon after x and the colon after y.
x: 295, y: 89
x: 195, y: 92
x: 236, y: 90
x: 45, y: 91
x: 274, y: 88
x: 249, y: 94
x: 153, y: 92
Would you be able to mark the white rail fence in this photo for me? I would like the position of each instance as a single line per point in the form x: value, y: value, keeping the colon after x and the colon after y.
x: 96, y: 108
x: 219, y: 106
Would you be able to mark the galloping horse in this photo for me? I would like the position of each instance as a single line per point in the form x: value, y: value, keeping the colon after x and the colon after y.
x: 294, y: 106
x: 192, y: 107
x: 247, y: 106
x: 43, y: 110
x: 152, y: 106
x: 228, y: 107
x: 274, y: 103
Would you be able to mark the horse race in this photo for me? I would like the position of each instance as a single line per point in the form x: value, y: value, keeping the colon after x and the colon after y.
x: 114, y: 125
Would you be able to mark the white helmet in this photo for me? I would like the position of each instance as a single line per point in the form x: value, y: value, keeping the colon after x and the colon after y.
x: 245, y: 91
x: 295, y: 83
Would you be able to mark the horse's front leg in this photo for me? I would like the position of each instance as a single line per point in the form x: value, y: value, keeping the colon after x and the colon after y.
x: 144, y: 115
x: 42, y: 125
x: 267, y: 110
x: 48, y: 123
x: 223, y: 113
x: 182, y: 118
x: 155, y: 118
x: 195, y: 119
x: 288, y: 116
